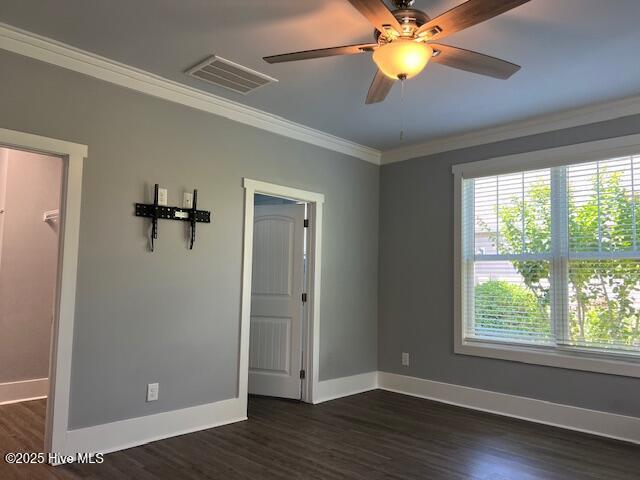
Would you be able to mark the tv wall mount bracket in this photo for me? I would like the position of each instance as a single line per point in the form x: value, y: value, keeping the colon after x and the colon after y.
x: 160, y: 212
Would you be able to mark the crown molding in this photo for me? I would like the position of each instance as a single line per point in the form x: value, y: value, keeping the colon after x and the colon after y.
x: 50, y: 51
x: 540, y: 124
x: 56, y: 53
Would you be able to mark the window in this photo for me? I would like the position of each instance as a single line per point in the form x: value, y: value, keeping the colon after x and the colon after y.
x: 508, y: 233
x: 549, y: 262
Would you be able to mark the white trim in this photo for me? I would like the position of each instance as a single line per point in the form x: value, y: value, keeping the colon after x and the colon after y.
x: 345, y: 386
x: 74, y: 154
x: 282, y: 191
x: 23, y: 390
x: 56, y: 53
x: 551, y: 157
x: 589, y: 151
x: 545, y: 123
x: 129, y: 433
x: 594, y: 362
x: 37, y: 143
x: 123, y: 434
x: 595, y: 422
x: 51, y: 51
x: 110, y: 437
x: 312, y: 354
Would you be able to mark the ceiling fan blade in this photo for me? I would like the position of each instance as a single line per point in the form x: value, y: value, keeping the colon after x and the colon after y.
x: 466, y: 15
x: 473, y: 61
x: 379, y: 88
x: 378, y: 14
x: 321, y: 52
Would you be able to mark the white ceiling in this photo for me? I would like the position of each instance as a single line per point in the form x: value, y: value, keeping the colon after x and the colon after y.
x: 573, y: 53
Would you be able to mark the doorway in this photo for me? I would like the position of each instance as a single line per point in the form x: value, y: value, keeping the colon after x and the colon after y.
x: 31, y: 186
x: 280, y: 292
x: 278, y: 297
x: 59, y: 375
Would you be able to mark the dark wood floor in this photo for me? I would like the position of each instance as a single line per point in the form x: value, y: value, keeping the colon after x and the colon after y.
x: 374, y: 435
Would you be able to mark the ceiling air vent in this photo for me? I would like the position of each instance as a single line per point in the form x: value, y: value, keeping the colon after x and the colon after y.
x: 224, y: 73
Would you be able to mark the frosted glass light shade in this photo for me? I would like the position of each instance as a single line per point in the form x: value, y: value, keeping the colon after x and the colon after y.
x: 402, y: 58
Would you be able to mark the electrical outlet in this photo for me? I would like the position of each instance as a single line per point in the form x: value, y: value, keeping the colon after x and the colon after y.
x: 152, y: 392
x: 163, y: 197
x: 187, y: 200
x: 405, y: 359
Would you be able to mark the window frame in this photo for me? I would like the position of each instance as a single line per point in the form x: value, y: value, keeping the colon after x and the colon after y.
x: 555, y: 356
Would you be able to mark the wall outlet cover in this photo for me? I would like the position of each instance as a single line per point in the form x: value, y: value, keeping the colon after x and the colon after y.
x: 187, y: 200
x: 163, y: 197
x: 405, y: 359
x: 152, y: 392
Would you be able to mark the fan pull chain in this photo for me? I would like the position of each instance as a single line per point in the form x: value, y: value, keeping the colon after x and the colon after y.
x: 401, y: 109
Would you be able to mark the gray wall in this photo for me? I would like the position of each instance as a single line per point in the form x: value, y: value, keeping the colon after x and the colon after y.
x: 28, y: 263
x: 173, y: 316
x: 416, y: 282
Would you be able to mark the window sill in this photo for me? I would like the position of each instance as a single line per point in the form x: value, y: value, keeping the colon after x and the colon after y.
x: 599, y: 363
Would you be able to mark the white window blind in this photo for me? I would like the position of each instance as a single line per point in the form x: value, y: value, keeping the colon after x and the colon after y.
x: 551, y: 257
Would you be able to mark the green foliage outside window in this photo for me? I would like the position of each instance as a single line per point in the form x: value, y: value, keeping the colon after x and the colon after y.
x: 498, y: 303
x: 602, y: 309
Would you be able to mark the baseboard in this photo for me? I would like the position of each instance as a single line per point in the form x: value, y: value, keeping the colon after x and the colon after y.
x: 137, y: 431
x: 24, y: 390
x: 133, y: 432
x: 345, y: 386
x: 611, y: 425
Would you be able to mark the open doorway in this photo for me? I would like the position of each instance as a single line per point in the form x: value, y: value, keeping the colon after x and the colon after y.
x: 56, y: 438
x: 31, y: 186
x: 279, y: 341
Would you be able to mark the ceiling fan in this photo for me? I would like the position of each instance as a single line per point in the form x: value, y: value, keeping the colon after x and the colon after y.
x: 404, y: 42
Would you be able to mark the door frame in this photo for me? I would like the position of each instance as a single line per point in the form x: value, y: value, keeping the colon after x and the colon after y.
x: 310, y: 341
x: 73, y: 155
x: 3, y: 197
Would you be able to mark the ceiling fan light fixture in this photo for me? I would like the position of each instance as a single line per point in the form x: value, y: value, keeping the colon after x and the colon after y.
x: 403, y: 37
x: 402, y: 58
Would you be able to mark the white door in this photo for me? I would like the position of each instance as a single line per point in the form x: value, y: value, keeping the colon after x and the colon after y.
x: 275, y: 352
